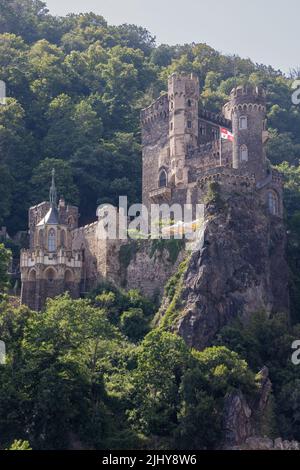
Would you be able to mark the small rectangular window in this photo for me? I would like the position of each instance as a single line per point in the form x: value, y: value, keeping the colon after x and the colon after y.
x: 189, y: 124
x: 243, y: 122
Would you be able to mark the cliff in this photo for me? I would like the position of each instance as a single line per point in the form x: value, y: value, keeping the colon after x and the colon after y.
x: 238, y: 268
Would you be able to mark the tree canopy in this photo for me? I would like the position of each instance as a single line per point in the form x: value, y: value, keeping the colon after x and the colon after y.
x: 76, y: 86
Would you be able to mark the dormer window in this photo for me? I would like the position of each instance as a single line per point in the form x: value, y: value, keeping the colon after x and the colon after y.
x: 243, y: 123
x: 244, y: 153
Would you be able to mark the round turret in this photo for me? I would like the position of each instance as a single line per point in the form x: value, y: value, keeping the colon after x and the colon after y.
x: 247, y: 110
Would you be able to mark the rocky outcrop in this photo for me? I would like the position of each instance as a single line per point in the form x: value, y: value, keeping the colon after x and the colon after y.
x: 243, y: 419
x: 264, y: 443
x: 243, y: 422
x: 239, y: 268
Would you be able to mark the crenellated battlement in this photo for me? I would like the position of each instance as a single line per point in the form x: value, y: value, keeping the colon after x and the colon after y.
x: 248, y: 95
x: 217, y: 119
x: 156, y: 111
x: 277, y: 177
x: 183, y: 85
x: 90, y: 228
x: 228, y: 178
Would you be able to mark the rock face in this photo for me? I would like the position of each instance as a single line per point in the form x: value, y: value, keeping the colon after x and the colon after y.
x: 150, y: 268
x: 239, y: 268
x: 263, y: 443
x: 243, y: 422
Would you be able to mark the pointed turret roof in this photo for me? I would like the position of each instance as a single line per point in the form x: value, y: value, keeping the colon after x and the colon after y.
x: 51, y: 218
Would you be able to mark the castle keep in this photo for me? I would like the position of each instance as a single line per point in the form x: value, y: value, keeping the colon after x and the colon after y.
x: 183, y: 153
x: 183, y: 149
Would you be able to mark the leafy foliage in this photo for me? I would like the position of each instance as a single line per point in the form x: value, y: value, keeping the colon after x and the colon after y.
x: 86, y: 373
x: 5, y: 256
x: 76, y: 85
x: 267, y: 342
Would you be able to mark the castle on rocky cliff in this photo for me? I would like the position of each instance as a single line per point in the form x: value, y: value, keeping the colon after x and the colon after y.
x: 183, y: 152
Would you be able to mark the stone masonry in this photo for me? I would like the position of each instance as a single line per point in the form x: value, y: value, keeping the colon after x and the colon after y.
x: 183, y: 155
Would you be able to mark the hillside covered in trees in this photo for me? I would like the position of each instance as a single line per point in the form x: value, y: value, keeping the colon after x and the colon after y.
x: 94, y: 372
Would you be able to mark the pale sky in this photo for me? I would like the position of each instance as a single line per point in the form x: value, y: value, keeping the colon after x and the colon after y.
x: 267, y: 31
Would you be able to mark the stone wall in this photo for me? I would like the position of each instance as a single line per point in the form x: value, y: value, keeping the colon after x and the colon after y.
x: 35, y: 293
x: 155, y: 140
x: 148, y: 265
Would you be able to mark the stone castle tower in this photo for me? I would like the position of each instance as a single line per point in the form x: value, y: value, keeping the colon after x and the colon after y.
x: 247, y: 110
x: 183, y: 124
x: 183, y: 148
x: 183, y: 153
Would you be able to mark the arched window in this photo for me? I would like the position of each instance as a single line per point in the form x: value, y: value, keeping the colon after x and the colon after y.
x: 50, y: 275
x: 243, y: 122
x: 71, y: 222
x: 273, y: 202
x: 51, y: 240
x: 68, y: 276
x: 189, y: 103
x: 63, y: 239
x: 243, y: 153
x: 163, y: 179
x: 32, y: 275
x: 41, y: 238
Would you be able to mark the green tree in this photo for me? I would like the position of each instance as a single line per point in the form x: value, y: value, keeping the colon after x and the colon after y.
x: 161, y: 361
x: 5, y: 257
x: 134, y: 324
x: 41, y: 179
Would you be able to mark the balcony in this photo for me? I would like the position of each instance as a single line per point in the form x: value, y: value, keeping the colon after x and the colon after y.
x: 30, y: 258
x: 158, y: 195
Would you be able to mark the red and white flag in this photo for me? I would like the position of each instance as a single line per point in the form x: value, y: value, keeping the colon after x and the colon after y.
x: 226, y: 134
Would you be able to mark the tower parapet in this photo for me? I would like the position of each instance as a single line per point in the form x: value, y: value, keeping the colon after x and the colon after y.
x: 157, y: 110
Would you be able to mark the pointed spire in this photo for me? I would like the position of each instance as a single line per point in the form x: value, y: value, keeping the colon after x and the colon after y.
x: 53, y: 192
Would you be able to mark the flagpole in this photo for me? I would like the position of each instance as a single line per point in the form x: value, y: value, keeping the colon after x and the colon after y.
x: 220, y: 146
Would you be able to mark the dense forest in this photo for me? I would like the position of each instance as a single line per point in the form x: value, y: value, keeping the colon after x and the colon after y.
x: 93, y: 372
